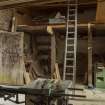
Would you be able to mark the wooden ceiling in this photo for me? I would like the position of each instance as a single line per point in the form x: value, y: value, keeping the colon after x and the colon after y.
x: 15, y: 3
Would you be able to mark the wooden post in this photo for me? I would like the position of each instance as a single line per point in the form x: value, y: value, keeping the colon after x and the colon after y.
x: 14, y: 23
x: 53, y: 54
x: 53, y: 49
x: 90, y: 84
x: 57, y: 73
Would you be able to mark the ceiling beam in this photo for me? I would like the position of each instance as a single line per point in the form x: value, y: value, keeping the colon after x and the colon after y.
x: 16, y: 3
x: 11, y: 2
x: 19, y: 3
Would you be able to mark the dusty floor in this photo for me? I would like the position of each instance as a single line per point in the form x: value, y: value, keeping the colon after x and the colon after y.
x: 93, y: 97
x: 21, y: 98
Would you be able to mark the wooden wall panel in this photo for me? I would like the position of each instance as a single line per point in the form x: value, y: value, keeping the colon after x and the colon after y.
x: 5, y: 19
x: 23, y: 19
x: 100, y: 13
x: 11, y: 58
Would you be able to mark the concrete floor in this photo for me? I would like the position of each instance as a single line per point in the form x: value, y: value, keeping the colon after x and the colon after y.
x: 93, y: 97
x: 21, y: 98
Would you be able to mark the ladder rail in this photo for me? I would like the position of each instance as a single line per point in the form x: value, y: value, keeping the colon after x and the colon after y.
x: 75, y: 45
x: 67, y: 25
x: 68, y: 31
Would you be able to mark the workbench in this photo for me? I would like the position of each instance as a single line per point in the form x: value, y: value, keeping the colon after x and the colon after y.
x: 45, y: 89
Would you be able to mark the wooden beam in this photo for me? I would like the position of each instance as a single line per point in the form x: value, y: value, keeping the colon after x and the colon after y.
x: 57, y: 3
x: 90, y: 82
x: 11, y: 2
x: 27, y: 28
x: 47, y: 27
x: 16, y: 3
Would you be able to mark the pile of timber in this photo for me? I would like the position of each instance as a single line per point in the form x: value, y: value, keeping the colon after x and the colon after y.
x: 14, y: 68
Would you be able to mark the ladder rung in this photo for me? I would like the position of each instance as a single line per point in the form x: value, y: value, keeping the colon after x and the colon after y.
x: 72, y: 15
x: 71, y: 26
x: 70, y: 45
x: 71, y: 32
x: 73, y: 4
x: 69, y: 66
x: 71, y: 20
x: 70, y: 52
x: 69, y: 74
x: 70, y: 38
x: 70, y: 59
x: 71, y: 10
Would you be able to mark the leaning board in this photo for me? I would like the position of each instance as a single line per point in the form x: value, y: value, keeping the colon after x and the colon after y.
x: 11, y: 58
